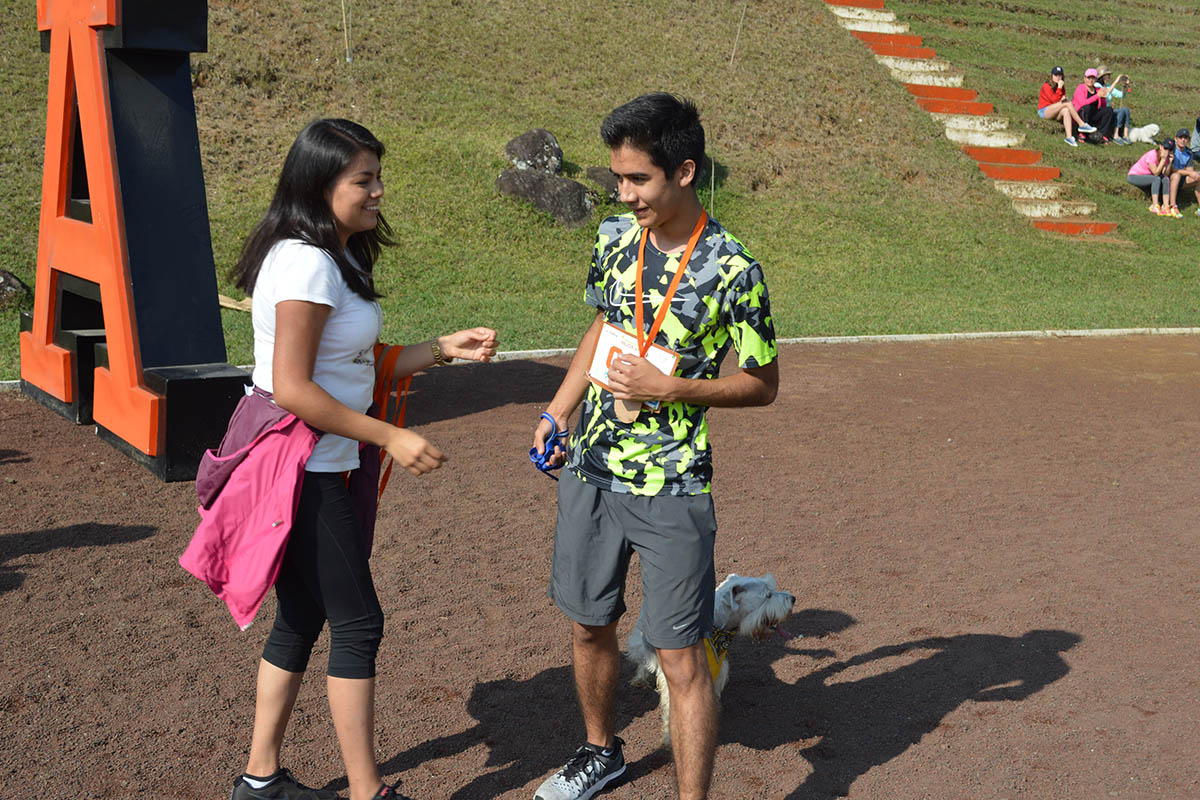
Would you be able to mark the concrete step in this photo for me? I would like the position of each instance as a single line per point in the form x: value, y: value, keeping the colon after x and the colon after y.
x: 901, y: 50
x: 1053, y: 209
x: 914, y: 64
x: 857, y: 3
x: 857, y: 12
x: 872, y: 26
x: 928, y: 78
x: 1020, y: 172
x: 977, y: 138
x: 942, y: 92
x: 939, y: 105
x: 1033, y: 190
x: 972, y: 122
x: 906, y: 39
x: 1003, y: 155
x: 1075, y: 227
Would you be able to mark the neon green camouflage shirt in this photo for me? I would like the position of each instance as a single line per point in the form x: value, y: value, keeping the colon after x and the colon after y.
x: 721, y: 302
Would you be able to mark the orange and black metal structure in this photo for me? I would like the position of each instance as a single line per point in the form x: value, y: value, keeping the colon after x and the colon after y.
x: 126, y: 328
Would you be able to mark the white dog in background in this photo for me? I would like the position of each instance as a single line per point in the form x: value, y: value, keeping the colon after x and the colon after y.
x: 741, y: 607
x: 1145, y: 133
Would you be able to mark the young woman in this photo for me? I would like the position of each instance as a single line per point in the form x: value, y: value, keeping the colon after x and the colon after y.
x: 1150, y: 172
x: 309, y: 267
x: 1052, y: 106
x: 1089, y: 101
x: 1120, y: 107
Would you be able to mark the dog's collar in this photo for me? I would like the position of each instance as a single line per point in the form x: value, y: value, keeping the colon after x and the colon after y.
x: 716, y: 647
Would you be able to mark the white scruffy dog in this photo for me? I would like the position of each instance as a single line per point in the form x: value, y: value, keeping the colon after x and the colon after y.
x: 741, y: 606
x: 1145, y: 133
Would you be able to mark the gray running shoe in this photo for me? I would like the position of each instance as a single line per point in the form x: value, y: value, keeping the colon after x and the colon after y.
x: 585, y: 774
x: 283, y: 786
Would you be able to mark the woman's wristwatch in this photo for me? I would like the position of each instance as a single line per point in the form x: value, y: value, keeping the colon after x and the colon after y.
x: 439, y: 359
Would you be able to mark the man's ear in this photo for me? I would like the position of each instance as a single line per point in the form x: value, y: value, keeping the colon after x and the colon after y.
x: 686, y: 174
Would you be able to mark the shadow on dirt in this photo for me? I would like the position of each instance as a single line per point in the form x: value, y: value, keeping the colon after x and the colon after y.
x: 852, y: 714
x: 14, y: 457
x: 442, y: 394
x: 523, y: 723
x: 529, y: 726
x: 865, y: 710
x: 15, y: 545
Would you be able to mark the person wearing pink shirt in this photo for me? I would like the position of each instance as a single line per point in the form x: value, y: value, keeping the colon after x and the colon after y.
x: 1150, y: 172
x: 1089, y: 101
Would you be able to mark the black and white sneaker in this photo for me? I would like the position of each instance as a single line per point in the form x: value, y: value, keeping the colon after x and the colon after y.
x: 282, y: 786
x: 588, y: 771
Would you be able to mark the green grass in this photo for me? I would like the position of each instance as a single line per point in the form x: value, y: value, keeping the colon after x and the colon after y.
x: 873, y: 226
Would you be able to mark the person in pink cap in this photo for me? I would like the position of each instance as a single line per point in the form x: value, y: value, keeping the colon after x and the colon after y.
x: 1088, y: 100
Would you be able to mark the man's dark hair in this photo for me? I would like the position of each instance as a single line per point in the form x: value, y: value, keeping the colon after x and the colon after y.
x: 300, y: 208
x: 666, y: 127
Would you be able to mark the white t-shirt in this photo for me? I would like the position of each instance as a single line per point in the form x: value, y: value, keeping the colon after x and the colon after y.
x: 345, y: 365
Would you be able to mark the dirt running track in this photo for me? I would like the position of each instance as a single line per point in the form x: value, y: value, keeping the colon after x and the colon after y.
x: 994, y: 546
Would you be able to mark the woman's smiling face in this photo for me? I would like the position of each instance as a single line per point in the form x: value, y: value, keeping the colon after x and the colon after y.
x: 355, y: 194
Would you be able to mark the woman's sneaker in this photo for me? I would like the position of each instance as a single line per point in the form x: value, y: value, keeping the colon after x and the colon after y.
x: 281, y: 786
x: 1174, y: 212
x: 1154, y: 208
x: 1085, y: 128
x: 588, y: 771
x: 1071, y: 141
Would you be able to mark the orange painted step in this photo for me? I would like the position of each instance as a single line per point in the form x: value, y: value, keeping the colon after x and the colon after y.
x: 940, y: 106
x: 1072, y: 227
x: 872, y: 37
x: 1003, y: 155
x: 901, y: 50
x: 1015, y: 172
x: 857, y: 3
x: 941, y: 92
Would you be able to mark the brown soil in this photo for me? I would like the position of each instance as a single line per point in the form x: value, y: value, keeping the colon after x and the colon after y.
x: 993, y: 544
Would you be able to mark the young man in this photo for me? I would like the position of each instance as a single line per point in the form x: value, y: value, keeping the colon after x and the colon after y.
x: 1184, y: 174
x: 670, y: 277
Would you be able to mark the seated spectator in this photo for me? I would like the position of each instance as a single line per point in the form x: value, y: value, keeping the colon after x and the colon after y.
x: 1116, y: 93
x: 1052, y: 106
x: 1150, y: 172
x: 1183, y: 172
x: 1196, y: 139
x: 1087, y: 101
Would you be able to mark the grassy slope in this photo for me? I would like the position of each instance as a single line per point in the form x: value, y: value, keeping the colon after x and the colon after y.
x: 864, y: 227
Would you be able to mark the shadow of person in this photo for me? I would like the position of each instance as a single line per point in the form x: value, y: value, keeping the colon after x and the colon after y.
x: 14, y: 545
x: 868, y: 709
x: 14, y: 457
x: 521, y: 722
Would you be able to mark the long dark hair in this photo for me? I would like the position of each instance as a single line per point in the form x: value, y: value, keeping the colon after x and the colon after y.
x: 300, y: 208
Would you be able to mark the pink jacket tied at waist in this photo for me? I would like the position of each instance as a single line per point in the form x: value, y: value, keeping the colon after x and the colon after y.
x: 248, y: 490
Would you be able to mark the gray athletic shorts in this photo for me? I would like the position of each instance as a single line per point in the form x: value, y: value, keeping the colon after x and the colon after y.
x: 598, y: 531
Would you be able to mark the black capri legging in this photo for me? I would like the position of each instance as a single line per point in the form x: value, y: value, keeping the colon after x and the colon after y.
x: 325, y: 576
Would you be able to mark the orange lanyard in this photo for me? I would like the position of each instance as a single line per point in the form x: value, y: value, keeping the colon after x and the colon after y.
x: 644, y: 344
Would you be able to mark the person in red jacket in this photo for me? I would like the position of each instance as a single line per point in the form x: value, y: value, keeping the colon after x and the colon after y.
x: 1052, y: 104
